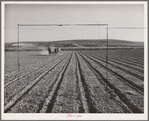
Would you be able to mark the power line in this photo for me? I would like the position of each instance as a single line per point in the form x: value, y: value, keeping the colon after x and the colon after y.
x: 127, y: 27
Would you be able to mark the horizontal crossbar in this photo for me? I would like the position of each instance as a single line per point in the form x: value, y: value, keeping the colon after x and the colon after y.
x: 62, y: 24
x: 82, y: 25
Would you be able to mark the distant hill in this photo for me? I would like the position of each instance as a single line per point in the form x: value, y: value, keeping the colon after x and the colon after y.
x: 73, y: 44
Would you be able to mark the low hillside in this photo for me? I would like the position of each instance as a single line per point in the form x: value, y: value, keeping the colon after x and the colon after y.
x: 76, y: 44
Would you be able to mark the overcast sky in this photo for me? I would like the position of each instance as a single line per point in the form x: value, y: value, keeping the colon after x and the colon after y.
x: 120, y: 15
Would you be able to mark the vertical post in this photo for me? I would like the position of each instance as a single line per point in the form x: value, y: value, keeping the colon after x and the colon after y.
x: 107, y: 63
x: 18, y: 53
x: 107, y: 50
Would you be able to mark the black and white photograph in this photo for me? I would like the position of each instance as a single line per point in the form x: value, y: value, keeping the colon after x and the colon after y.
x: 74, y: 60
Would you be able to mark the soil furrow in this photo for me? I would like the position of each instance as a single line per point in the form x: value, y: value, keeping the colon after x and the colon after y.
x: 103, y: 102
x: 19, y: 95
x: 136, y: 83
x: 88, y: 95
x: 49, y: 101
x: 117, y: 62
x: 66, y: 100
x: 115, y: 57
x: 127, y: 70
x: 81, y: 89
x: 23, y: 72
x: 127, y: 95
x: 11, y: 90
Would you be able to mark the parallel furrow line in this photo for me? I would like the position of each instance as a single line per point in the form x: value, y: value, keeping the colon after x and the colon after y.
x: 129, y: 82
x: 27, y: 88
x: 121, y: 63
x: 49, y: 102
x: 28, y: 72
x: 124, y: 70
x: 89, y: 99
x: 118, y: 92
x: 29, y: 68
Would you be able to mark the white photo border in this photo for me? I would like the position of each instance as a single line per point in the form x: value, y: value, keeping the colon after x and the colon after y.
x: 63, y: 116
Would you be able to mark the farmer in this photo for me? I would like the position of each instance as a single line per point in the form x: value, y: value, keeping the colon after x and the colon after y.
x: 54, y: 50
x: 59, y: 50
x: 49, y: 50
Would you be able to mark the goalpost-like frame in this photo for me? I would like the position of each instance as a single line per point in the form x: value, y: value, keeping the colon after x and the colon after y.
x: 68, y: 25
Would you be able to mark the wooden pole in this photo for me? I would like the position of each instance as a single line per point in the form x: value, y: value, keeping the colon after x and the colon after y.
x: 18, y: 53
x: 107, y: 64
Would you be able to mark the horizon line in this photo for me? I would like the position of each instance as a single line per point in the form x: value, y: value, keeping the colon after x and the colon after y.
x: 72, y: 40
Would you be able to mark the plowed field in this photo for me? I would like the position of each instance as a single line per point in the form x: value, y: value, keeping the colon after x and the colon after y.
x: 75, y: 82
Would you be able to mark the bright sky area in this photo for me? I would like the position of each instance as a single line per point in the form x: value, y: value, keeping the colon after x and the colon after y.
x: 116, y: 15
